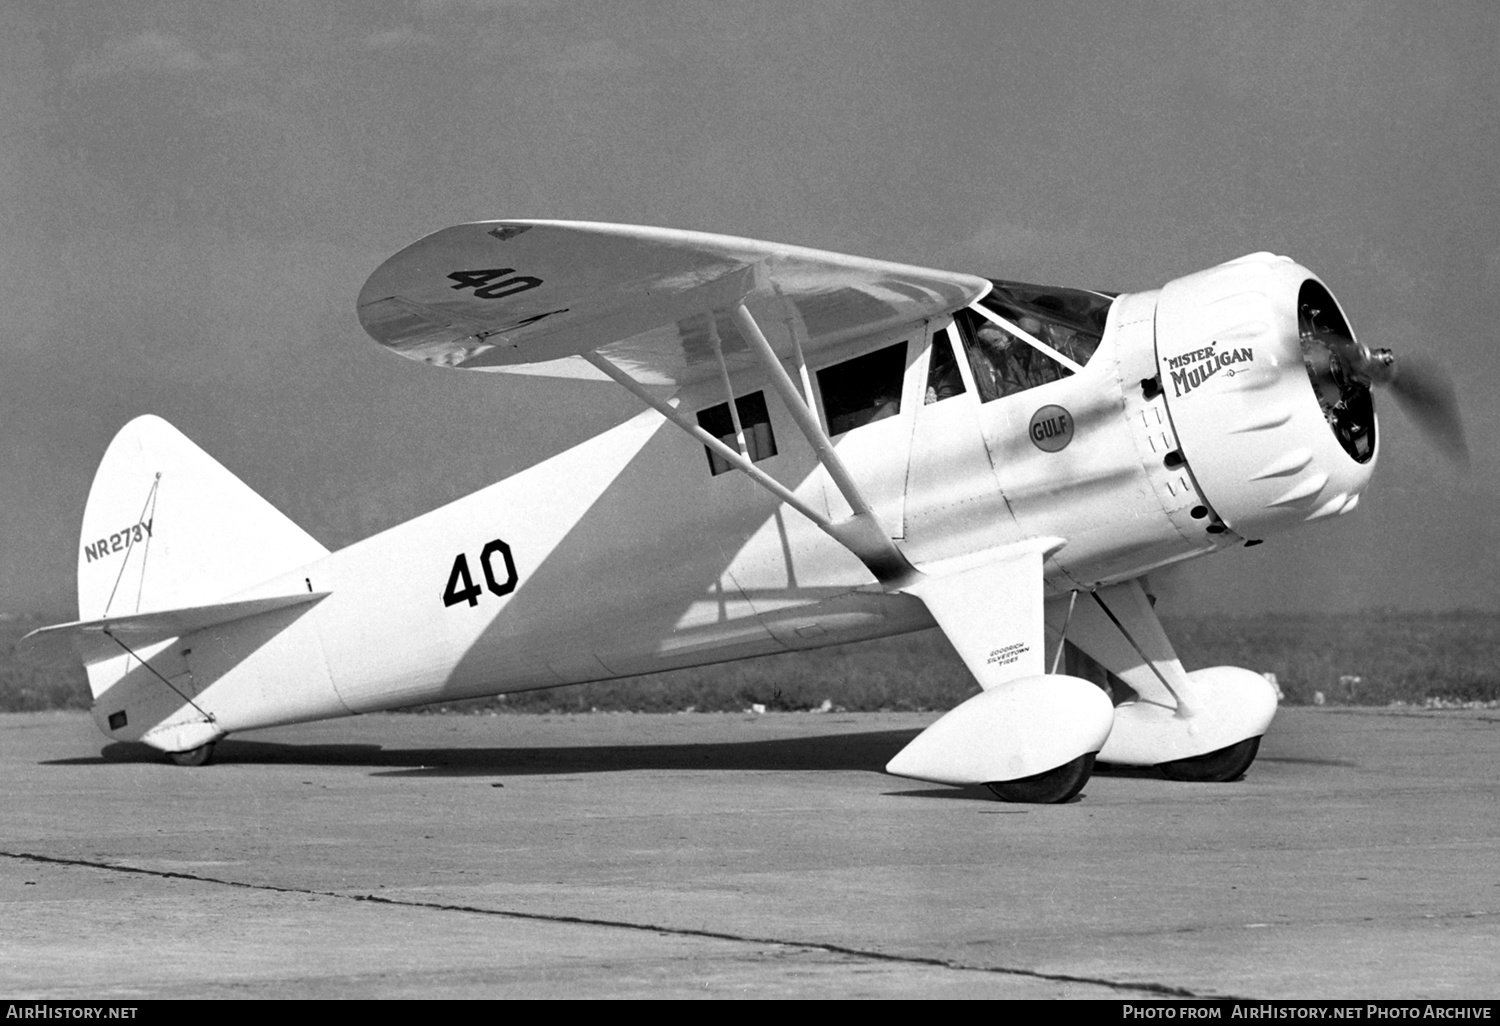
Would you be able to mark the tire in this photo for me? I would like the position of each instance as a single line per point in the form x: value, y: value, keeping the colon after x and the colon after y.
x: 1216, y: 767
x: 199, y: 756
x: 1049, y: 788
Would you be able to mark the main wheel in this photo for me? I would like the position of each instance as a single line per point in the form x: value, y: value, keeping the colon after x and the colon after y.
x: 1215, y: 767
x: 1051, y: 787
x: 194, y: 756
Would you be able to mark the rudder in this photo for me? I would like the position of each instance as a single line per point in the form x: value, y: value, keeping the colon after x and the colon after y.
x: 167, y: 526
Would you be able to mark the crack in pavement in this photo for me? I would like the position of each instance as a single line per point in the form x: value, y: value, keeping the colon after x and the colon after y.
x: 1155, y: 989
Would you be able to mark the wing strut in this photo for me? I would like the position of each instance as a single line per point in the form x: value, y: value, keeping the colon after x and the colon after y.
x: 739, y: 462
x: 734, y: 407
x: 791, y: 332
x: 860, y: 532
x: 801, y: 412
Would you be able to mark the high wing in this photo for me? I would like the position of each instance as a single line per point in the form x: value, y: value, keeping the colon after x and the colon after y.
x: 657, y: 306
x: 531, y: 296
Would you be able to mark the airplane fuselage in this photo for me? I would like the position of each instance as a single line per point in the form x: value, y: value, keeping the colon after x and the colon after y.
x: 625, y: 555
x: 641, y: 550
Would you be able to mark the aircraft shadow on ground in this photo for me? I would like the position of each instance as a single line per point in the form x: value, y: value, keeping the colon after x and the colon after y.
x: 864, y: 752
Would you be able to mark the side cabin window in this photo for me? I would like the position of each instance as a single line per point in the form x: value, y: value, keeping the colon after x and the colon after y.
x: 1003, y: 362
x: 760, y: 442
x: 943, y: 378
x: 863, y: 390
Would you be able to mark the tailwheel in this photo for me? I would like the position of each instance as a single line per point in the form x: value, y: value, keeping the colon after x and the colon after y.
x: 194, y: 756
x: 1051, y: 787
x: 1216, y: 767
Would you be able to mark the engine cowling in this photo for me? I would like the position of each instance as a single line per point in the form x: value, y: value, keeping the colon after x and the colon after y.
x: 1272, y: 440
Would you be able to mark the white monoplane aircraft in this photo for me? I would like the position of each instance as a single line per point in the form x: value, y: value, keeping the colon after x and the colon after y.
x: 835, y: 449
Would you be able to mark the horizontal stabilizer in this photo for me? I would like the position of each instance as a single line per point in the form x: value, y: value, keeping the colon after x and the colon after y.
x: 142, y: 629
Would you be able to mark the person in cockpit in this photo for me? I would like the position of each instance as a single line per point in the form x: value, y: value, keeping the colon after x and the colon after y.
x: 999, y: 349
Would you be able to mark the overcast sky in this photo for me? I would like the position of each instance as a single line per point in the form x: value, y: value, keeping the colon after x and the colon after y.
x: 191, y: 194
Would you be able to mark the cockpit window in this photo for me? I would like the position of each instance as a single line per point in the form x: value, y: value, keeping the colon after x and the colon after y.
x: 1070, y: 321
x: 1003, y: 363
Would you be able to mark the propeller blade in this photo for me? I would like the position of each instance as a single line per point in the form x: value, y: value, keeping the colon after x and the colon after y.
x: 1425, y: 391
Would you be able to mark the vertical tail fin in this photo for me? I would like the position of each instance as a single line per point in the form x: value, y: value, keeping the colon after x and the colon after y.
x: 167, y: 526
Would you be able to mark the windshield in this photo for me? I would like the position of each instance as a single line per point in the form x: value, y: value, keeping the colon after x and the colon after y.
x: 1071, y: 321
